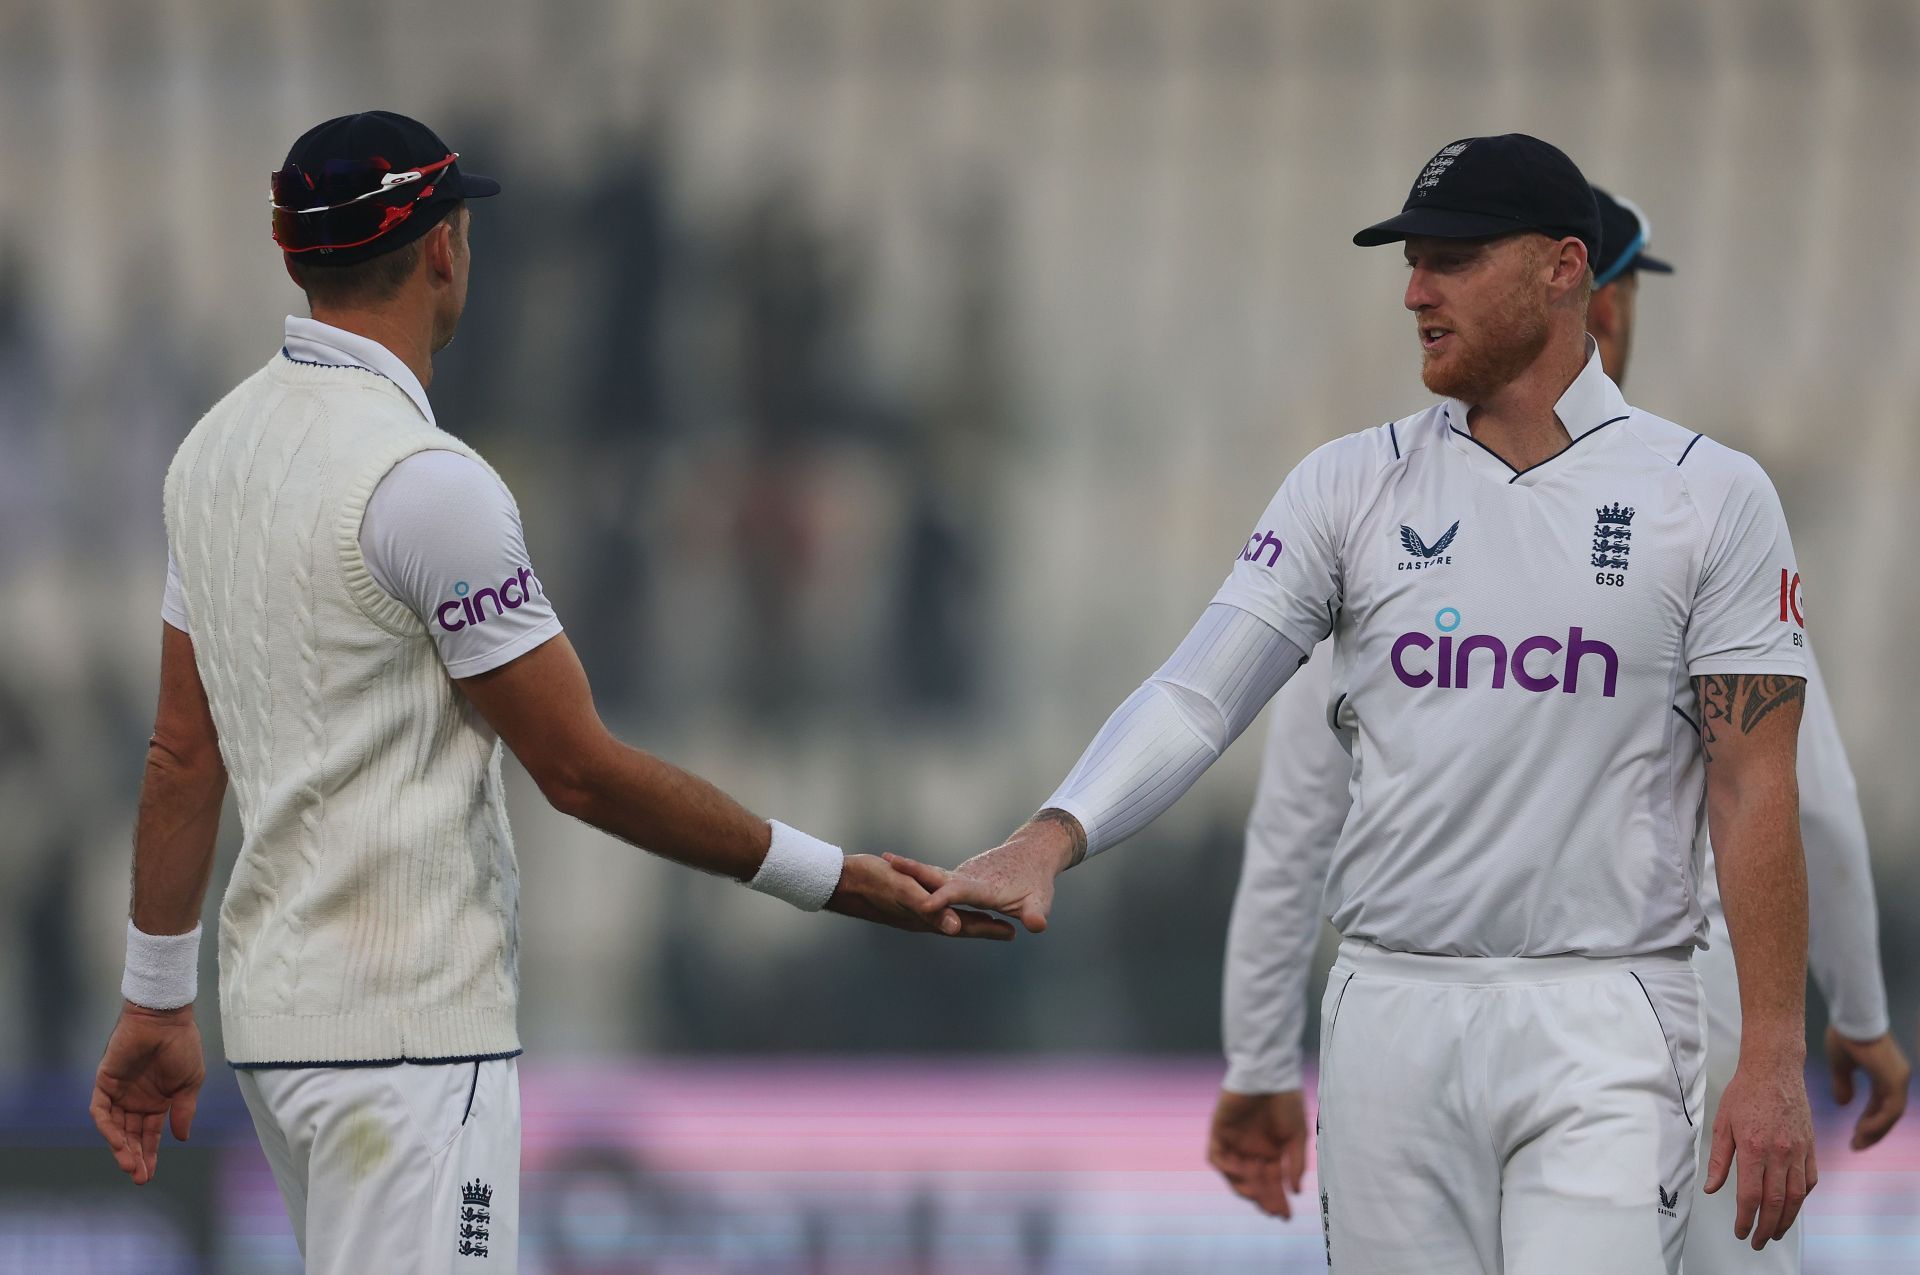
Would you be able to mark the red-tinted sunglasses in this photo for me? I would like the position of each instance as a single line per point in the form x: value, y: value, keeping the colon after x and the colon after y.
x: 340, y: 190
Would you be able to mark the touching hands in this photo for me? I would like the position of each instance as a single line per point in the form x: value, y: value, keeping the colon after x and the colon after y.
x: 1887, y: 1074
x: 1014, y: 878
x: 872, y: 891
x: 150, y: 1075
x: 1765, y: 1120
x: 1258, y: 1142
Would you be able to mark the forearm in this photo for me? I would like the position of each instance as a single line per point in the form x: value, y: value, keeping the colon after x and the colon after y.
x: 1270, y: 944
x: 1843, y: 939
x: 1748, y: 727
x: 1763, y: 886
x: 671, y: 812
x: 1843, y: 932
x: 178, y: 824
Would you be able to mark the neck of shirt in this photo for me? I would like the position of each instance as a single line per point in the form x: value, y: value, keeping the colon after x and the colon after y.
x: 311, y: 341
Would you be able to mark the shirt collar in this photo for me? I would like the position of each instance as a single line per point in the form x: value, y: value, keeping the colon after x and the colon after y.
x: 311, y: 341
x: 1591, y: 401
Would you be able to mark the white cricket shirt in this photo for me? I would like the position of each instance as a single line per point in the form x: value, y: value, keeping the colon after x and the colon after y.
x: 1517, y: 649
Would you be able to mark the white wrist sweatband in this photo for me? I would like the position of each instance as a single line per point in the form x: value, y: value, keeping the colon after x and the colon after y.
x: 163, y: 970
x: 802, y: 870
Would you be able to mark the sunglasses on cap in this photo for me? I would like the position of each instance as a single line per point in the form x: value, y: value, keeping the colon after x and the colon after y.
x: 330, y: 209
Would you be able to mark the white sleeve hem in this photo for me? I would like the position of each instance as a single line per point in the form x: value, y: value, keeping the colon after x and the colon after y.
x: 1260, y: 609
x: 1865, y: 1029
x: 474, y: 665
x: 1263, y: 1075
x: 1706, y: 666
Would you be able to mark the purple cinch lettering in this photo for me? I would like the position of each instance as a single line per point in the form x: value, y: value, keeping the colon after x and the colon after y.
x: 1400, y: 645
x: 1520, y: 653
x: 1579, y: 648
x: 1267, y: 538
x: 441, y: 615
x: 480, y: 606
x: 1480, y: 642
x: 513, y: 603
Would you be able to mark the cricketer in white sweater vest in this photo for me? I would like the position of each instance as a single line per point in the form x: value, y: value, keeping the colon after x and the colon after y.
x: 370, y: 915
x: 337, y: 650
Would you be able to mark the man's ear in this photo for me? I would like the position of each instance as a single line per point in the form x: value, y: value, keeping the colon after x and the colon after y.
x: 1570, y: 263
x: 437, y: 248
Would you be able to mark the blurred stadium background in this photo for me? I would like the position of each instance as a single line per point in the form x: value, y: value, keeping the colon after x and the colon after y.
x: 886, y: 385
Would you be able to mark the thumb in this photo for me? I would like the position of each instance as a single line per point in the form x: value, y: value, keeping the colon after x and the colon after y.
x: 1721, y: 1159
x: 182, y: 1114
x: 1293, y: 1163
x: 1033, y: 911
x: 1840, y: 1068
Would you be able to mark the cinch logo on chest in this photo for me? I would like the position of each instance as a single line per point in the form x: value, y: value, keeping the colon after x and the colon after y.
x: 1451, y: 667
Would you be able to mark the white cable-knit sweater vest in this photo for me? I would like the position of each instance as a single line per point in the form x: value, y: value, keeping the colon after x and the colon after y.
x: 372, y: 912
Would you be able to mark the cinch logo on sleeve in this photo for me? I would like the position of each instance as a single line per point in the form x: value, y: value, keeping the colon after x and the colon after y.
x: 1262, y: 542
x: 469, y: 606
x: 1538, y: 663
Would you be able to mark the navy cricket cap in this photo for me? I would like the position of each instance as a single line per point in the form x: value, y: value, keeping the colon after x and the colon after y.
x: 1624, y: 235
x: 1480, y: 187
x: 362, y: 185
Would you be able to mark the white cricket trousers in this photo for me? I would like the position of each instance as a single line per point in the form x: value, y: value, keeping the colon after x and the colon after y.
x: 411, y: 1169
x: 1533, y: 1116
x: 1711, y: 1246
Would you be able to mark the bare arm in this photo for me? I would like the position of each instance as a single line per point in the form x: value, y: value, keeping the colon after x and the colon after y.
x: 1749, y: 729
x: 543, y: 709
x: 180, y: 796
x: 151, y: 1071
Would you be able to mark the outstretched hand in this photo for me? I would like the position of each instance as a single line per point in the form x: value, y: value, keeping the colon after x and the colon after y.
x: 150, y: 1075
x: 871, y: 891
x: 1014, y: 878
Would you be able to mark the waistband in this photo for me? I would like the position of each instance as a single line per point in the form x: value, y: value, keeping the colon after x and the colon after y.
x: 1363, y: 957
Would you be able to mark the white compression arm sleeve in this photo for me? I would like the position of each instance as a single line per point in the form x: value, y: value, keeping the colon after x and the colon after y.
x: 1843, y: 934
x: 1177, y: 724
x: 1298, y: 811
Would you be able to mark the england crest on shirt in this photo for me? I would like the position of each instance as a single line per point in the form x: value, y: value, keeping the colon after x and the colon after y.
x: 1612, y: 536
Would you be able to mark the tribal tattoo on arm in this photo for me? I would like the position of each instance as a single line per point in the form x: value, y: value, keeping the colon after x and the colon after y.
x: 1073, y: 829
x: 1740, y: 701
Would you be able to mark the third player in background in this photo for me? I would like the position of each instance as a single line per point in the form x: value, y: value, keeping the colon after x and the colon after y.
x: 1260, y: 1131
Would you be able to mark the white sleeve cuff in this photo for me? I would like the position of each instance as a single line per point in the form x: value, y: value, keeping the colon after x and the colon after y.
x: 1263, y: 1075
x: 163, y: 970
x: 800, y: 869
